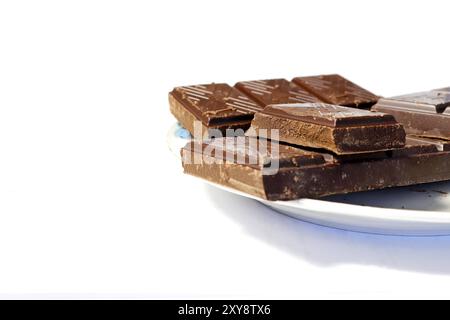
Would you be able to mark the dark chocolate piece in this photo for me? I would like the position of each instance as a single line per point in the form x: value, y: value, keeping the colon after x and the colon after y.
x: 258, y: 153
x: 337, y: 90
x: 312, y: 175
x: 424, y: 114
x: 339, y: 129
x: 275, y: 91
x: 216, y: 106
x: 242, y: 163
x: 441, y: 145
x: 412, y: 147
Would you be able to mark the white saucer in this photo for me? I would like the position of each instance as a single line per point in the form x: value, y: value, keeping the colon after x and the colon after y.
x: 420, y: 210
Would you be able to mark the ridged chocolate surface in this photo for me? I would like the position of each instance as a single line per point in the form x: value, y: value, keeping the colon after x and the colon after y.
x: 275, y: 91
x: 335, y: 89
x: 215, y: 103
x: 220, y: 106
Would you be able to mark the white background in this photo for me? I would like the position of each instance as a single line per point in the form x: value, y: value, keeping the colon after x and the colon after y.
x: 93, y: 205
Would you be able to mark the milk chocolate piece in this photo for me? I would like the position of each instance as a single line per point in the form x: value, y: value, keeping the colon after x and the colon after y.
x: 216, y: 106
x: 305, y: 174
x: 424, y: 114
x: 339, y: 129
x: 275, y: 91
x: 337, y: 90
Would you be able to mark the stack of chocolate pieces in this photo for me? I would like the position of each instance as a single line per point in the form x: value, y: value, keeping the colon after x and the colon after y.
x: 312, y: 136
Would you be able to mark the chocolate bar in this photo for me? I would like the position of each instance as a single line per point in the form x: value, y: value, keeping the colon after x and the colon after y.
x: 275, y: 91
x: 218, y: 106
x: 215, y: 106
x: 339, y: 129
x: 335, y: 89
x: 258, y: 153
x: 424, y: 114
x: 303, y: 173
x: 218, y: 162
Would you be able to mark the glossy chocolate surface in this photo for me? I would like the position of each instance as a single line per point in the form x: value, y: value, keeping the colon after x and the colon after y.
x: 335, y: 89
x: 275, y: 91
x: 215, y: 103
x: 425, y: 114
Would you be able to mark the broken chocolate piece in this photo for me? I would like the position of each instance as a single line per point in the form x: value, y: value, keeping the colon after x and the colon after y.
x: 242, y: 163
x: 339, y: 129
x: 425, y: 114
x: 412, y: 147
x: 311, y: 174
x: 441, y: 145
x: 335, y: 89
x: 254, y: 152
x: 275, y: 91
x: 216, y: 106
